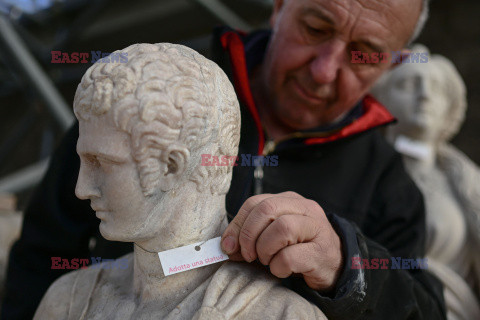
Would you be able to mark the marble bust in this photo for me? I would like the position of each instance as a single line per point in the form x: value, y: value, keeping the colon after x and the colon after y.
x: 143, y: 126
x: 429, y: 101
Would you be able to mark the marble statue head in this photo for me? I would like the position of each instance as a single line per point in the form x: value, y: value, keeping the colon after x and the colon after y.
x: 143, y: 127
x: 428, y: 99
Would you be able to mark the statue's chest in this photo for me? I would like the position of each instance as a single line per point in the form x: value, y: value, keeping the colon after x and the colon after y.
x: 443, y: 208
x: 110, y: 304
x: 124, y: 309
x: 446, y: 225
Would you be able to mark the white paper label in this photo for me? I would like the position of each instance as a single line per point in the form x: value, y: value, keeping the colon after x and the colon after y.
x: 414, y: 149
x: 192, y: 256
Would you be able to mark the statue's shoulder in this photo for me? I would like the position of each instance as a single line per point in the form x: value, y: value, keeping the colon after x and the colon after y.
x: 56, y: 302
x: 248, y: 291
x: 70, y: 294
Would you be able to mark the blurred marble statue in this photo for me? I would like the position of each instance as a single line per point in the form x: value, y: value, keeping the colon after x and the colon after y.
x: 429, y: 101
x: 10, y: 227
x: 144, y: 125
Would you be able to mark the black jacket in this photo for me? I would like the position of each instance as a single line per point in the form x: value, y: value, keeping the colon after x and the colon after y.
x: 350, y: 170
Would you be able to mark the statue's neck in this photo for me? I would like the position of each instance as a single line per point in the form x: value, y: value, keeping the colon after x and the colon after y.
x: 150, y: 284
x: 417, y: 153
x: 208, y: 220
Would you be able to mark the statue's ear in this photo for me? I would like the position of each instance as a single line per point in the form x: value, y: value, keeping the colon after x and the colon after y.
x: 174, y: 164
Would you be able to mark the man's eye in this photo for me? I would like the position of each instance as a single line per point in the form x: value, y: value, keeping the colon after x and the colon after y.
x: 315, y: 31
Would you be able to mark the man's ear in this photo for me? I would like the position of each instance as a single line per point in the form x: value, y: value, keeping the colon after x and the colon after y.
x: 399, y: 57
x: 277, y: 6
x: 174, y: 164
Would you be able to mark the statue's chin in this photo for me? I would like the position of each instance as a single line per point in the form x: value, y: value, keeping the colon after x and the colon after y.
x: 111, y: 233
x: 107, y: 233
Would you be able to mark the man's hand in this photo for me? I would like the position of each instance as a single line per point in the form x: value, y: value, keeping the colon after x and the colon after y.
x: 289, y: 233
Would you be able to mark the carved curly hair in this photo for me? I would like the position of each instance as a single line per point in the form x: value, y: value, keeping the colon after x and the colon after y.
x: 170, y: 89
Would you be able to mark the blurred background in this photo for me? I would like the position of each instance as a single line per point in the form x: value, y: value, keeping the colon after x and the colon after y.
x: 36, y: 95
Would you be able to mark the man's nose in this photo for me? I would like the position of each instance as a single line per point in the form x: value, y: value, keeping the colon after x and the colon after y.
x: 86, y: 187
x: 328, y: 61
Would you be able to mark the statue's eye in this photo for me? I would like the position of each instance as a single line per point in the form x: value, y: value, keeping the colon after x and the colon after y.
x: 405, y: 84
x: 91, y: 160
x: 105, y: 161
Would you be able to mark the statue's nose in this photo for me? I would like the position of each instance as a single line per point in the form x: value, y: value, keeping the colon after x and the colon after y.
x: 86, y: 187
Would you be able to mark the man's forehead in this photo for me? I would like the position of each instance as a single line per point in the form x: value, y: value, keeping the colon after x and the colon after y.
x: 390, y: 21
x: 357, y: 7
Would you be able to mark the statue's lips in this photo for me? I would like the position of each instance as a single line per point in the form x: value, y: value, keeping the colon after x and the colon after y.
x: 101, y: 214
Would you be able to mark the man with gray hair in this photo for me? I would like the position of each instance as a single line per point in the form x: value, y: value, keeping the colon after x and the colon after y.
x: 339, y: 200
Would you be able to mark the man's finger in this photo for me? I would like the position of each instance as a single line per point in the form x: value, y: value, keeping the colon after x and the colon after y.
x: 290, y: 194
x: 237, y: 256
x: 299, y: 258
x: 307, y: 259
x: 285, y: 231
x: 266, y: 212
x: 229, y: 242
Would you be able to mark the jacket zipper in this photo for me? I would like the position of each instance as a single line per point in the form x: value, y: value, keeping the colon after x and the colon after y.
x: 268, y: 148
x: 258, y: 172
